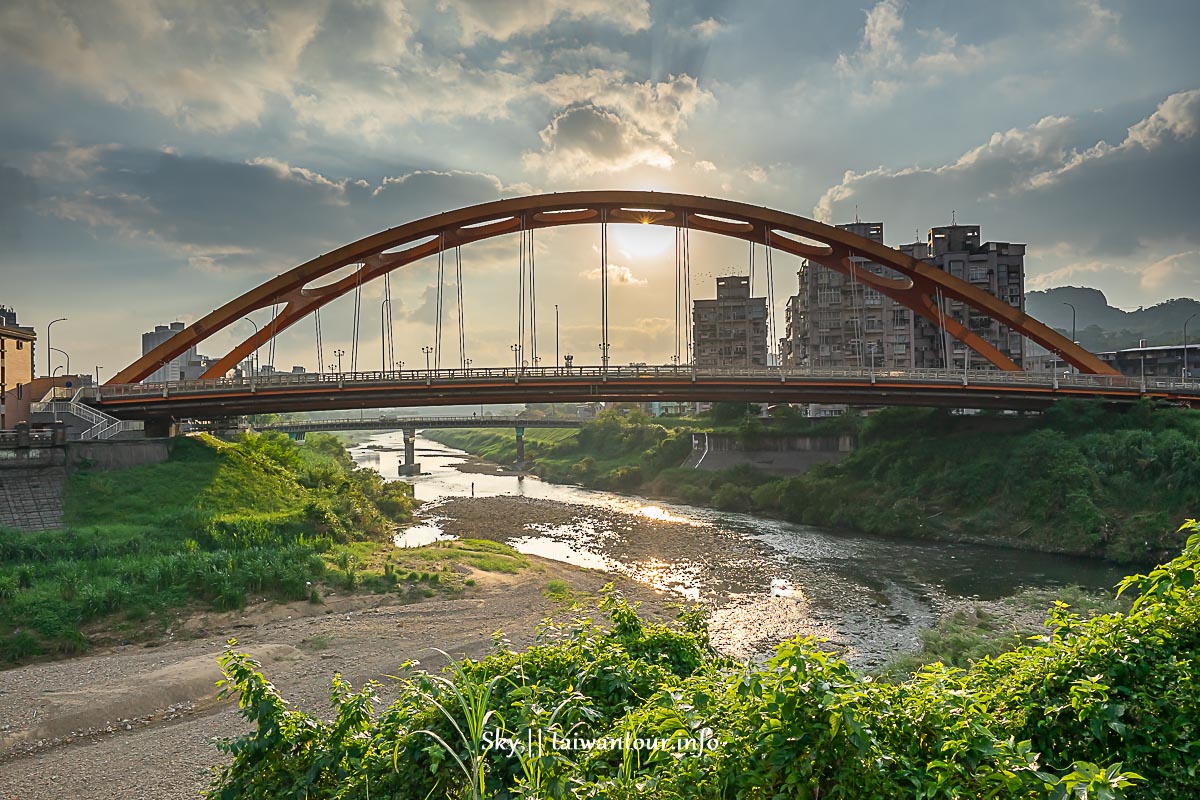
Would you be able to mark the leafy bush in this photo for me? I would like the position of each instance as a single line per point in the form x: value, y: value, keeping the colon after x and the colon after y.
x: 1094, y: 708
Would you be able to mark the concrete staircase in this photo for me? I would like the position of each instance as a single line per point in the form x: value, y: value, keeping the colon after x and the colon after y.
x: 83, y: 422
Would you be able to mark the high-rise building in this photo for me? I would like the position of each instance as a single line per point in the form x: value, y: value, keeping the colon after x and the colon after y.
x: 997, y: 268
x: 838, y: 320
x: 731, y: 330
x: 176, y: 368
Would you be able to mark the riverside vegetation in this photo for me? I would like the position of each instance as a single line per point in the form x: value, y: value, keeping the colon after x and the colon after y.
x: 1107, y: 707
x: 261, y: 516
x: 1079, y: 479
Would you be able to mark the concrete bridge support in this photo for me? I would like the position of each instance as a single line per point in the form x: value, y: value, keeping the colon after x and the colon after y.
x: 520, y: 445
x: 160, y: 428
x: 410, y: 465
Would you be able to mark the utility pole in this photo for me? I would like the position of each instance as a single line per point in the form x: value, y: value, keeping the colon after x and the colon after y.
x: 1072, y: 322
x: 1185, y: 345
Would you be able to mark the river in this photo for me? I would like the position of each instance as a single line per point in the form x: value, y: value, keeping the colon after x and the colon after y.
x: 764, y: 580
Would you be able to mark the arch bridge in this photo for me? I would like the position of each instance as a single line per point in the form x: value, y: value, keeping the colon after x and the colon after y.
x: 915, y: 284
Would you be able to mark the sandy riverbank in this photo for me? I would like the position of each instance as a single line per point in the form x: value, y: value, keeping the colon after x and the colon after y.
x: 137, y: 721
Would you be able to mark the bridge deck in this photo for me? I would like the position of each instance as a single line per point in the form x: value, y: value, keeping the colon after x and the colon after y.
x: 208, y: 399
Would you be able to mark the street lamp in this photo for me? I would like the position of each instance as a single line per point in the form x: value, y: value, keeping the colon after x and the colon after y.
x: 516, y: 351
x: 66, y: 355
x: 1185, y: 345
x: 48, y: 347
x: 339, y: 353
x: 427, y: 350
x: 604, y: 355
x: 398, y: 365
x: 254, y: 360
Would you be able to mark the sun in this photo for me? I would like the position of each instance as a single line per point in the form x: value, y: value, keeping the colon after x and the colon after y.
x: 643, y: 241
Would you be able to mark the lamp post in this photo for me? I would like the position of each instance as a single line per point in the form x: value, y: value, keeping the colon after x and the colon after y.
x: 556, y: 361
x: 254, y: 360
x: 516, y: 351
x: 339, y: 353
x: 48, y: 347
x: 1185, y: 345
x: 426, y: 350
x: 398, y: 365
x: 604, y: 355
x: 66, y: 355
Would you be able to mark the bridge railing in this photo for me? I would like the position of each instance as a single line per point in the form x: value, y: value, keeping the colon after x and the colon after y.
x: 959, y: 377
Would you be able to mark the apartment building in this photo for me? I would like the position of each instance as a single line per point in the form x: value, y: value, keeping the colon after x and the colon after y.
x: 731, y: 330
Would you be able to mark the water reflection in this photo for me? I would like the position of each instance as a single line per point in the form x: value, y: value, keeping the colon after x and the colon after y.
x: 766, y: 579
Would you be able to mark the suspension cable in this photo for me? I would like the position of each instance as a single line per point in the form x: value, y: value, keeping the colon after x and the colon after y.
x: 689, y: 327
x: 772, y: 334
x: 533, y: 343
x: 320, y: 344
x: 390, y: 330
x: 749, y: 321
x: 521, y: 302
x: 357, y: 318
x: 441, y: 276
x: 678, y: 281
x: 462, y: 330
x: 274, y: 330
x: 604, y: 288
x: 862, y: 345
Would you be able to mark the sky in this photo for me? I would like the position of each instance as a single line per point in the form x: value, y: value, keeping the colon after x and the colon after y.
x: 160, y: 157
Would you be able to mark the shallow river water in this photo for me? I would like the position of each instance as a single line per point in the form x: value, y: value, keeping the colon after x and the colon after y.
x: 764, y: 580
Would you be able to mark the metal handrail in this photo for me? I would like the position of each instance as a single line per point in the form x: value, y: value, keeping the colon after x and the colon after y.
x: 419, y: 376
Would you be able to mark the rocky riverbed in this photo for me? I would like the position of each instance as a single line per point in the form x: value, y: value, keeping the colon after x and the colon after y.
x: 137, y: 721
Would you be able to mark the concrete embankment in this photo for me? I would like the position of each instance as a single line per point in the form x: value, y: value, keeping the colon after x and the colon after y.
x: 778, y: 455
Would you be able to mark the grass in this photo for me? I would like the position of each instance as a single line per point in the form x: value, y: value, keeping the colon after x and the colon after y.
x: 985, y: 631
x: 218, y: 524
x: 560, y: 592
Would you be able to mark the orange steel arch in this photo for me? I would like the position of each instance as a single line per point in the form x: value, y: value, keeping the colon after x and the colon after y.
x: 394, y: 248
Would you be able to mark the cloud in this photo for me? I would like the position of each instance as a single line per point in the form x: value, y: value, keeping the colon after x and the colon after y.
x: 1126, y: 205
x: 503, y: 20
x: 260, y: 214
x: 609, y: 125
x: 211, y: 67
x: 617, y: 274
x: 883, y: 64
x: 707, y: 28
x: 1179, y: 271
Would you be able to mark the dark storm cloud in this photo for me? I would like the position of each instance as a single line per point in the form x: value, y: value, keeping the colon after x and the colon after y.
x: 255, y: 214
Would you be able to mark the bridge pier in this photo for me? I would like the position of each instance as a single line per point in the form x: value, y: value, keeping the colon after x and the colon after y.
x: 160, y: 428
x: 410, y: 465
x: 520, y: 446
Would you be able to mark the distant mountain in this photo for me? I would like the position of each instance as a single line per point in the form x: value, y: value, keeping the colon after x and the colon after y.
x: 1099, y: 326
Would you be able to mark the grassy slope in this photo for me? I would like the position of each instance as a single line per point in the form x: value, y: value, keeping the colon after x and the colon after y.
x: 216, y: 522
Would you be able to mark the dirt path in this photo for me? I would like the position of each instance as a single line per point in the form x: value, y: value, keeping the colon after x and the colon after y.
x: 137, y: 722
